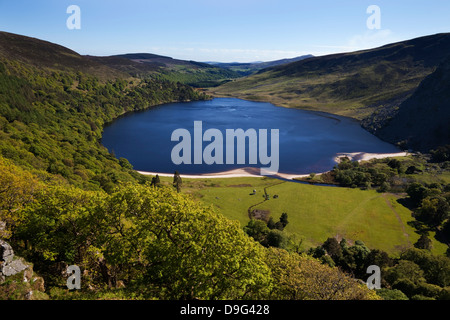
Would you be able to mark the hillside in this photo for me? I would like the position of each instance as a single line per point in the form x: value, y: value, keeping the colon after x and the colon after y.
x: 43, y: 54
x: 246, y: 69
x: 146, y: 65
x: 355, y: 84
x: 422, y: 122
x: 54, y: 103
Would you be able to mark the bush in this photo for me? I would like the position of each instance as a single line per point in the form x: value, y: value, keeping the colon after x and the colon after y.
x: 406, y: 286
x: 421, y: 297
x: 391, y: 294
x: 428, y: 290
x: 277, y: 239
x: 385, y: 186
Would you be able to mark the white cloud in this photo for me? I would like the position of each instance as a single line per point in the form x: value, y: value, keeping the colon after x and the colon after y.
x: 371, y: 39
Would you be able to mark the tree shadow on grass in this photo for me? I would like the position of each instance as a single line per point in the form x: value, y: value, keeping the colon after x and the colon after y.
x: 407, y: 203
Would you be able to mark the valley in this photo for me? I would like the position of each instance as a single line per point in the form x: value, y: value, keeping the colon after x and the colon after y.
x: 67, y: 200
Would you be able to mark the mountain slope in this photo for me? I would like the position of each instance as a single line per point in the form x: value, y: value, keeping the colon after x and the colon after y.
x: 44, y: 54
x: 54, y: 104
x: 146, y: 65
x: 353, y: 84
x: 423, y: 121
x: 249, y: 68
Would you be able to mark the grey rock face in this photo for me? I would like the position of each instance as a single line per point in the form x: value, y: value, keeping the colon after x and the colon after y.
x: 8, y: 265
x: 6, y: 252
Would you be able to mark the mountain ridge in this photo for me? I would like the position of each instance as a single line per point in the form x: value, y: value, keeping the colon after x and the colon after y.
x: 45, y: 54
x: 354, y: 84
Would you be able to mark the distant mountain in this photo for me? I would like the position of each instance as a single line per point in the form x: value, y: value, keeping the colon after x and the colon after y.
x: 144, y: 65
x: 423, y: 121
x: 157, y: 60
x: 356, y: 84
x: 252, y: 67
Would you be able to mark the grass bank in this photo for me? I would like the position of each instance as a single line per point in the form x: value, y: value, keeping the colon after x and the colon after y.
x: 315, y: 212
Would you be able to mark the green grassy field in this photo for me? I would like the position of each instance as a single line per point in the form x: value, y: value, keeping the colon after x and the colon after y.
x: 315, y: 212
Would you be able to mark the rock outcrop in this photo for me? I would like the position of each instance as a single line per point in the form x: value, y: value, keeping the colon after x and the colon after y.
x: 17, y: 278
x: 9, y: 266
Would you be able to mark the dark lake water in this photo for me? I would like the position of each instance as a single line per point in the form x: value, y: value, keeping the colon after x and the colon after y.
x: 308, y: 141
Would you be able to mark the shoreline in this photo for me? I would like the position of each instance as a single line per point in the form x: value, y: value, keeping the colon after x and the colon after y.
x: 364, y: 156
x: 254, y: 172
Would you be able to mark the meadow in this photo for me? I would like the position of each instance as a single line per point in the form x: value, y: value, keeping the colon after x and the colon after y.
x: 315, y: 212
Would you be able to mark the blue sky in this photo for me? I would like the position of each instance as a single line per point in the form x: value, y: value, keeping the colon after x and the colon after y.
x: 231, y: 30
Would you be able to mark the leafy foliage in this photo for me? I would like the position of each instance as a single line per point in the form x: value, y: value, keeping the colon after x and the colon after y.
x: 302, y: 277
x: 52, y: 120
x: 17, y: 189
x: 415, y: 273
x: 164, y: 245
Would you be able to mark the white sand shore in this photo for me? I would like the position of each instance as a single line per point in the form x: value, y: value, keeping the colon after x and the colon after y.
x: 363, y: 156
x: 244, y: 172
x: 255, y: 172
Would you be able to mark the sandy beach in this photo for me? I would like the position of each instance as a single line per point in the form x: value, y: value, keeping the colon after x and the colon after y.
x: 255, y: 172
x: 237, y: 173
x: 363, y: 156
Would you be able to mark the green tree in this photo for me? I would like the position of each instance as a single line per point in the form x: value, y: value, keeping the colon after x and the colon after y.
x: 17, y: 189
x: 379, y: 258
x: 441, y: 153
x: 177, y: 181
x: 300, y: 277
x: 271, y: 223
x: 384, y: 187
x: 191, y: 251
x: 157, y: 241
x: 258, y: 230
x: 354, y: 259
x: 436, y: 268
x: 417, y: 192
x: 284, y: 219
x: 60, y: 224
x: 395, y: 164
x: 277, y: 239
x: 391, y: 294
x: 423, y: 242
x: 156, y: 181
x: 434, y: 210
x: 124, y: 163
x: 405, y: 270
x: 331, y: 245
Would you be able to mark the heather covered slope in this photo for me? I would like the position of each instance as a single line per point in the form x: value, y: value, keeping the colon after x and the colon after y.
x: 46, y: 55
x: 355, y: 84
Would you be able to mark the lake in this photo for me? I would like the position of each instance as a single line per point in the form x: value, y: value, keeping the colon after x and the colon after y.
x: 308, y: 141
